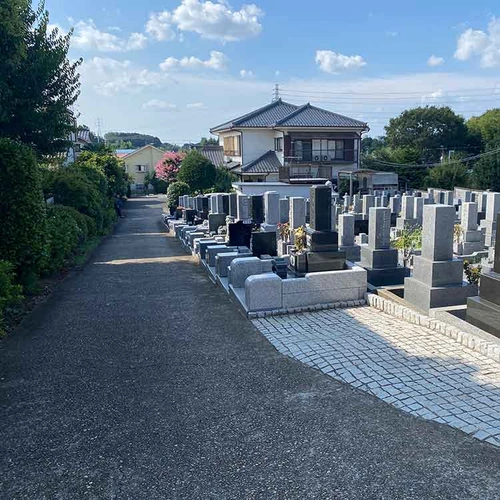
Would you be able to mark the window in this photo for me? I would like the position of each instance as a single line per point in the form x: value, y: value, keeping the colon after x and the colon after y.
x: 140, y: 168
x: 278, y: 143
x: 139, y: 187
x: 232, y: 145
x: 336, y: 150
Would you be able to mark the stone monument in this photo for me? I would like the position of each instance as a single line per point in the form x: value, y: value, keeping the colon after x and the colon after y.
x: 378, y: 258
x: 437, y: 279
x: 484, y: 311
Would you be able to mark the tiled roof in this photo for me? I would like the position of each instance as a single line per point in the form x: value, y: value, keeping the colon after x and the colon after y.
x: 310, y: 116
x: 215, y: 154
x: 284, y: 114
x: 124, y: 152
x: 268, y: 163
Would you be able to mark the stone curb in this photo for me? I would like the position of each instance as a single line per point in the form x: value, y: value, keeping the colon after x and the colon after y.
x: 294, y: 310
x: 468, y: 340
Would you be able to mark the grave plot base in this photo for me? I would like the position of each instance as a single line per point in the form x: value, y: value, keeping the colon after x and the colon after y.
x: 484, y: 314
x: 387, y: 276
x: 424, y: 297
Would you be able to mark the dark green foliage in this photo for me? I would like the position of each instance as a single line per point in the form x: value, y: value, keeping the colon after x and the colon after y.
x: 159, y: 185
x: 175, y: 190
x: 197, y: 171
x: 85, y: 188
x: 223, y: 181
x: 487, y: 126
x: 38, y: 84
x: 447, y: 176
x: 22, y: 209
x: 10, y: 293
x: 132, y: 139
x: 428, y: 129
x: 486, y: 173
x: 65, y: 231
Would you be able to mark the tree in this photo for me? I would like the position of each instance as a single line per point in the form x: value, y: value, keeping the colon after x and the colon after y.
x: 487, y: 126
x: 168, y: 167
x: 197, y: 171
x: 371, y: 144
x: 209, y: 142
x: 148, y: 177
x: 22, y: 210
x: 223, y: 180
x: 132, y: 139
x: 175, y: 190
x: 486, y: 173
x: 448, y: 176
x: 38, y: 83
x: 429, y: 129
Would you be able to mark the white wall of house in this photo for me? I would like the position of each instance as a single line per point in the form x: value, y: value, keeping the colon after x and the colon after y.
x: 256, y: 142
x: 141, y: 161
x: 282, y: 188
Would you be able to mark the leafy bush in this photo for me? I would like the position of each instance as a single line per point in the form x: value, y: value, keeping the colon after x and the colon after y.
x: 168, y: 167
x: 472, y: 272
x: 223, y: 181
x: 85, y: 189
x: 22, y: 210
x: 66, y: 229
x: 407, y: 241
x: 447, y: 176
x: 197, y: 171
x: 10, y: 293
x: 175, y: 190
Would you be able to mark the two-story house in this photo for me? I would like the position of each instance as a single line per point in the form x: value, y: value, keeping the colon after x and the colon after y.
x: 139, y: 161
x: 288, y: 143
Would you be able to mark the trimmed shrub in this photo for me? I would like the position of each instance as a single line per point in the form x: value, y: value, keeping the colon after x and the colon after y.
x: 66, y: 230
x: 175, y: 190
x: 22, y: 210
x: 10, y: 293
x: 197, y: 171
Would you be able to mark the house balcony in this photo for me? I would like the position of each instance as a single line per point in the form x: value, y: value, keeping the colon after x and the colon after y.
x: 322, y: 165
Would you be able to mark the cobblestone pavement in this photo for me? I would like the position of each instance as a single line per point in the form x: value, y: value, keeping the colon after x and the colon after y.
x: 410, y: 367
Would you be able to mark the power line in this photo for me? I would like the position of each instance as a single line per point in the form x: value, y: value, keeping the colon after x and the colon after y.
x: 459, y: 92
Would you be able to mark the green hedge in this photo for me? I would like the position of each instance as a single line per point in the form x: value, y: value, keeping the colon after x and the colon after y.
x: 22, y: 210
x: 175, y: 190
x: 10, y: 293
x: 66, y: 230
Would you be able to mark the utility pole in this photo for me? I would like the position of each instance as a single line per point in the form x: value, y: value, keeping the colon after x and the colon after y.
x: 276, y: 94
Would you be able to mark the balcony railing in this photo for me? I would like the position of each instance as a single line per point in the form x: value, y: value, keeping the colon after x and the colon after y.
x: 321, y: 156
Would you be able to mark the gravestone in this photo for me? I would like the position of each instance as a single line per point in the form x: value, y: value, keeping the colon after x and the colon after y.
x: 225, y: 204
x: 437, y: 279
x: 320, y: 208
x: 490, y: 222
x: 263, y: 243
x: 407, y: 216
x: 418, y: 210
x: 346, y: 237
x: 297, y: 215
x: 484, y: 311
x: 470, y: 240
x: 284, y: 210
x: 239, y: 233
x: 257, y: 208
x: 215, y: 221
x: 271, y: 207
x: 395, y: 204
x: 357, y: 205
x: 243, y: 207
x: 378, y: 258
x: 233, y: 205
x: 189, y: 215
x: 368, y: 202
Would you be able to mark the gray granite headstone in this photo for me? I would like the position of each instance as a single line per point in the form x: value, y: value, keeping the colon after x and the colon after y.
x: 271, y: 207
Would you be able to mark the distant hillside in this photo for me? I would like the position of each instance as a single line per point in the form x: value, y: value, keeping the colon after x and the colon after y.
x: 131, y: 140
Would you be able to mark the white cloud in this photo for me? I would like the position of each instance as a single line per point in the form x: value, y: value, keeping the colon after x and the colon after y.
x: 60, y: 31
x: 217, y: 61
x: 332, y: 62
x: 277, y: 72
x: 136, y: 41
x: 433, y: 97
x: 392, y: 34
x: 159, y: 26
x: 435, y: 61
x: 193, y: 105
x: 158, y: 105
x: 485, y: 45
x: 88, y: 37
x: 211, y: 20
x: 108, y: 76
x: 246, y: 73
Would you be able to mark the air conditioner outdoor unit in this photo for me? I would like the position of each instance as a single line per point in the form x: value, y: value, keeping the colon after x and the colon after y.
x: 325, y: 158
x: 316, y: 158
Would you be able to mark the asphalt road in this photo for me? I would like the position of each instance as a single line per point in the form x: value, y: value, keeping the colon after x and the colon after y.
x: 138, y: 379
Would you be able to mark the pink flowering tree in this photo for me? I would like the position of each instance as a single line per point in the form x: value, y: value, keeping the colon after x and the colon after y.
x: 168, y: 167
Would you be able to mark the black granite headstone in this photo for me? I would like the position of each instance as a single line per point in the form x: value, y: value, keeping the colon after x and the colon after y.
x: 233, y: 205
x: 204, y: 202
x: 280, y: 267
x: 257, y: 208
x: 239, y: 234
x: 190, y: 215
x: 321, y: 208
x: 264, y: 243
x: 199, y: 203
x: 360, y: 226
x: 225, y: 204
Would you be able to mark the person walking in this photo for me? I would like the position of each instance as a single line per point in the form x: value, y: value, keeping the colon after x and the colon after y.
x: 118, y: 206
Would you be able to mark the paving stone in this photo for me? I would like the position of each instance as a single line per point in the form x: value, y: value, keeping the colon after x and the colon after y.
x: 409, y: 366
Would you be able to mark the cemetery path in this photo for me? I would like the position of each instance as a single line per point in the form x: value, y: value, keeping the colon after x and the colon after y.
x: 139, y: 379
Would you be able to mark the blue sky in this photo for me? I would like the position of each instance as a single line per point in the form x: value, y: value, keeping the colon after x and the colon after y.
x: 174, y: 68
